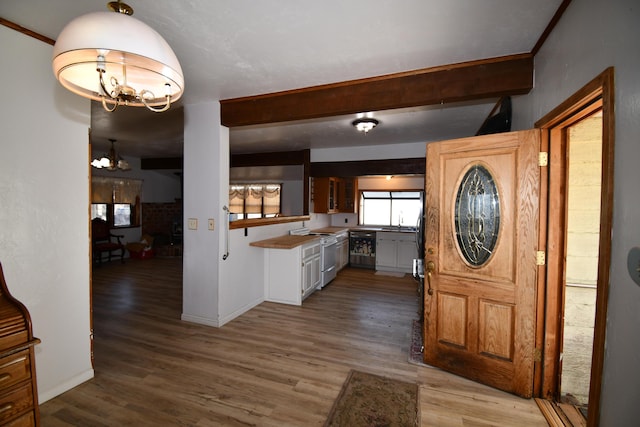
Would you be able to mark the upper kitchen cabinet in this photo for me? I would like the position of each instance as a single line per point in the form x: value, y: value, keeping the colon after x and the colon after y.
x: 348, y: 195
x: 334, y: 195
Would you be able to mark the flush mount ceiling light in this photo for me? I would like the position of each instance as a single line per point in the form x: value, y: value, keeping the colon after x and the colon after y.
x: 111, y: 161
x: 365, y: 124
x: 114, y: 58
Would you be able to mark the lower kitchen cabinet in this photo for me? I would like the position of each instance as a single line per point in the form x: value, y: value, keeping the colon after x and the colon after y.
x: 395, y: 251
x: 292, y: 274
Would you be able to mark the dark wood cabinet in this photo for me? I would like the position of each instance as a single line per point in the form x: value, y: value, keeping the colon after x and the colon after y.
x: 325, y: 195
x: 334, y: 195
x: 18, y: 391
x: 349, y: 195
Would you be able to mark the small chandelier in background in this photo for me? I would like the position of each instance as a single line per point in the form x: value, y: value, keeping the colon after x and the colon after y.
x: 365, y: 124
x: 111, y: 161
x: 114, y: 58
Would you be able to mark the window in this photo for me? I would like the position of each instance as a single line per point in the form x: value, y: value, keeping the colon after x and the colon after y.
x: 248, y: 201
x: 116, y: 200
x: 390, y: 208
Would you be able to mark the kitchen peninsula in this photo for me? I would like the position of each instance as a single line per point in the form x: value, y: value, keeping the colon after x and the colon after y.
x: 292, y: 267
x: 299, y: 263
x: 302, y: 262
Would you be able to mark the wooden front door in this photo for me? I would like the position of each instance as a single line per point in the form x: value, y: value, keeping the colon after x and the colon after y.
x: 481, y: 235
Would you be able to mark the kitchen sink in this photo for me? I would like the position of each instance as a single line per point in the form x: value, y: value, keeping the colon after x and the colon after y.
x: 400, y: 229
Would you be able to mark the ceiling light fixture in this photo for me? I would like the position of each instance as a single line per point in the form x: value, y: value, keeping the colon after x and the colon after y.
x: 118, y: 60
x: 111, y: 161
x: 365, y: 124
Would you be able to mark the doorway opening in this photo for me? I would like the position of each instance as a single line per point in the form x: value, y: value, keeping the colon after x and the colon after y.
x: 584, y: 151
x: 578, y: 243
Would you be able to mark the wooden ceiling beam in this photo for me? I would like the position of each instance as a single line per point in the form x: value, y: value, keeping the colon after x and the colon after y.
x: 482, y: 79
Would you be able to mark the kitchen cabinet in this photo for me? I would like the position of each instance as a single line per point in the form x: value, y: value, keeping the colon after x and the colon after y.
x: 325, y: 195
x: 311, y: 268
x: 348, y: 195
x: 292, y: 274
x: 335, y: 195
x: 395, y: 251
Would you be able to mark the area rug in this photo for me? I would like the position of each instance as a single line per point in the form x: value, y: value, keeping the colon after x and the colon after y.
x: 389, y: 273
x: 374, y: 401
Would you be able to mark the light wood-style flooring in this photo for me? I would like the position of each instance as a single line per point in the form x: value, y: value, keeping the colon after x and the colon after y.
x: 276, y: 365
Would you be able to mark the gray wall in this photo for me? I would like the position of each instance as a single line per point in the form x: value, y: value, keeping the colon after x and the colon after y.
x: 591, y: 36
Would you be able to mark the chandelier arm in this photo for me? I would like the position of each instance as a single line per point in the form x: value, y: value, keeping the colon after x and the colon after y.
x: 104, y: 105
x: 104, y: 88
x: 155, y: 110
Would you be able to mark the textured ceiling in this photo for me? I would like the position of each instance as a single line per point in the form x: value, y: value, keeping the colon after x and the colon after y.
x: 241, y: 48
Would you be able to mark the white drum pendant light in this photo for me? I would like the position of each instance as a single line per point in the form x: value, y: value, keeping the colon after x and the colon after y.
x: 114, y: 58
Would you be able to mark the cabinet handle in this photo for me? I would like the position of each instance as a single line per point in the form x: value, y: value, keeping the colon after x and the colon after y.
x: 6, y: 407
x: 5, y: 377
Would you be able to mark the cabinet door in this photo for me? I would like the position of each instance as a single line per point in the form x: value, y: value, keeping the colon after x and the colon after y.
x: 348, y: 195
x: 325, y: 195
x: 307, y: 276
x: 310, y: 275
x: 386, y: 252
x: 316, y: 272
x: 320, y: 195
x: 407, y: 251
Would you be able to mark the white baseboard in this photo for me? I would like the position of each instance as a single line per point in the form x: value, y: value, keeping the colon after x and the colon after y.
x: 43, y: 396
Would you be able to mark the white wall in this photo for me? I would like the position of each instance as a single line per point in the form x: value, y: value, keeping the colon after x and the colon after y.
x: 44, y: 194
x: 206, y: 190
x: 591, y: 36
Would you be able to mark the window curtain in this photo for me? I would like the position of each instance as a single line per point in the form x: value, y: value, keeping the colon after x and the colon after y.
x: 115, y: 190
x: 250, y: 198
x: 254, y: 199
x: 237, y: 195
x: 271, y: 199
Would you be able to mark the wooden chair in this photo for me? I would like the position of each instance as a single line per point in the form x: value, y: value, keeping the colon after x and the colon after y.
x: 102, y: 241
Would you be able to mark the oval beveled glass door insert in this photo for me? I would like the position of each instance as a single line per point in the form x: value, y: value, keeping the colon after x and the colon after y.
x: 477, y: 215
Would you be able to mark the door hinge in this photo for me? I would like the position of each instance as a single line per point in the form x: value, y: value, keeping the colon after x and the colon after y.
x: 537, y: 355
x: 543, y: 159
x: 541, y: 258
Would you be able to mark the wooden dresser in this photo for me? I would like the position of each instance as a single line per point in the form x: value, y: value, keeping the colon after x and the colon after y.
x: 18, y: 392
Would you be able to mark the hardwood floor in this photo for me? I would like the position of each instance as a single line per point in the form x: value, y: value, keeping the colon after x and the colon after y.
x: 276, y: 365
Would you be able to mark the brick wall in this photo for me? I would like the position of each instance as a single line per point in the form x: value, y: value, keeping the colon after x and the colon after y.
x: 157, y: 220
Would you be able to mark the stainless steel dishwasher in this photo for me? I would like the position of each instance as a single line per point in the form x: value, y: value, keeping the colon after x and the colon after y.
x: 362, y: 249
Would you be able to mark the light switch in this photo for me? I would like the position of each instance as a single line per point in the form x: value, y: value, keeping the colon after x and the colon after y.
x: 212, y: 224
x: 192, y: 223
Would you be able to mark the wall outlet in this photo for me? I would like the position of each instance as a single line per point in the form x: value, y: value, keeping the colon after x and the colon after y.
x: 192, y: 223
x: 212, y: 224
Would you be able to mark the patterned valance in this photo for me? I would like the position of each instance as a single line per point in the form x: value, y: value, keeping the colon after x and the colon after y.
x: 253, y: 198
x: 115, y: 190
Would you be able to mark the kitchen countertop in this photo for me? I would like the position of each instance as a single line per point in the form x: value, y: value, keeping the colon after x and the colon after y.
x: 287, y: 241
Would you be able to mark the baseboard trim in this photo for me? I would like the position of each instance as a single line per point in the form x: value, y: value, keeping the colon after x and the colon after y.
x: 66, y: 386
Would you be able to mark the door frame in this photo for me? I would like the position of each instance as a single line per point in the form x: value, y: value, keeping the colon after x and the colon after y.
x: 598, y: 93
